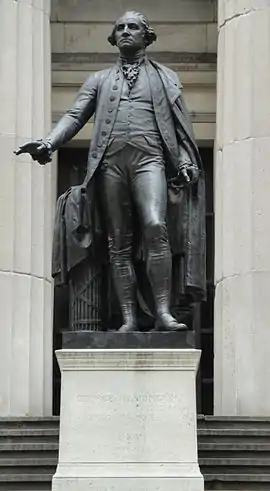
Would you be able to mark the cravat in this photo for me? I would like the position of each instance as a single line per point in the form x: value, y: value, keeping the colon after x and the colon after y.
x: 131, y: 73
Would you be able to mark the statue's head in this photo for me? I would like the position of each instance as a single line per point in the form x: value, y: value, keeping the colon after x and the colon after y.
x: 132, y: 32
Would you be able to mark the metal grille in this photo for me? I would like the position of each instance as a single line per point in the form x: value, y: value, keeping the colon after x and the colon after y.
x: 85, y: 297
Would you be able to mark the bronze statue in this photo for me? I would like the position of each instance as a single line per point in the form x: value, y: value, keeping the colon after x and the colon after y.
x: 146, y: 172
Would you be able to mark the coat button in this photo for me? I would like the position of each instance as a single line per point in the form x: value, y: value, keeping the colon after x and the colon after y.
x: 115, y: 87
x: 108, y: 121
x: 110, y: 110
x: 112, y: 98
x: 104, y: 133
x: 94, y: 155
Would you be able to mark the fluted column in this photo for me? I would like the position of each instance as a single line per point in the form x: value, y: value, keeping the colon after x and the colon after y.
x: 242, y: 207
x: 25, y: 211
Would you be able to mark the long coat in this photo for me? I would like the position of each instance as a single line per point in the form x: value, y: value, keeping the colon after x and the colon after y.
x: 100, y: 95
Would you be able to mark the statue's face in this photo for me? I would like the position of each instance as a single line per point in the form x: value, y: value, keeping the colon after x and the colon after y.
x: 129, y: 33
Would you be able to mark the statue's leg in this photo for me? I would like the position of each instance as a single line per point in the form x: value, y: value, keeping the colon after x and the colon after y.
x: 116, y: 201
x: 150, y: 192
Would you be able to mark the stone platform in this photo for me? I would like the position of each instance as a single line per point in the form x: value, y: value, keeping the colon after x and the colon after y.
x: 131, y: 340
x: 128, y: 415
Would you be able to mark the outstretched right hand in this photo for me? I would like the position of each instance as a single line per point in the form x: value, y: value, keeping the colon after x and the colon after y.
x: 39, y: 150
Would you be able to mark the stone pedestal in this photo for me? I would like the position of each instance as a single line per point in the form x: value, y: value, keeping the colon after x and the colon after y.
x: 128, y: 420
x: 25, y: 211
x: 132, y: 340
x: 242, y: 210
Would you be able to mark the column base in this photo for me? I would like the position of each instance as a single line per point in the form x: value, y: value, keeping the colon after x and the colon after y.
x: 128, y: 420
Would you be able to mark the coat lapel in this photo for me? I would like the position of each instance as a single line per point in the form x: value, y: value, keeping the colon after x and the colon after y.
x: 171, y: 86
x: 163, y: 111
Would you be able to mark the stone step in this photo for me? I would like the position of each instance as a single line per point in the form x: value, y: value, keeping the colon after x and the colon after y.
x: 25, y: 486
x: 234, y: 446
x: 29, y: 432
x: 234, y: 462
x: 214, y: 462
x: 228, y: 421
x: 227, y: 477
x: 28, y: 462
x: 31, y: 422
x: 219, y: 485
x: 243, y: 443
x: 204, y: 462
x: 211, y: 421
x: 203, y: 446
x: 39, y: 437
x: 232, y: 477
x: 220, y: 470
x: 209, y: 485
x: 18, y: 471
x: 202, y: 432
x: 30, y: 454
x: 233, y: 470
x: 233, y: 432
x: 205, y: 423
x: 28, y: 446
x: 233, y: 456
x: 26, y: 477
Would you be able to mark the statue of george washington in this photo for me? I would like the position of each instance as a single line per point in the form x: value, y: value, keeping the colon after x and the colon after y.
x: 143, y: 194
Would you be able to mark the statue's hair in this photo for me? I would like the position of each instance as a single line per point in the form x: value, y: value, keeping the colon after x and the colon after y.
x: 150, y: 35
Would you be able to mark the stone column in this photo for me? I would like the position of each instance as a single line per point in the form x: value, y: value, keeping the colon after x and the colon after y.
x: 242, y: 195
x: 25, y: 211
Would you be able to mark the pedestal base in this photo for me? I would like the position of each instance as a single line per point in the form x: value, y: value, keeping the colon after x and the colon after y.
x: 128, y: 421
x: 128, y: 340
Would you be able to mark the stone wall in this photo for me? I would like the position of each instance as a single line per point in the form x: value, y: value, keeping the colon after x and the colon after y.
x: 187, y: 41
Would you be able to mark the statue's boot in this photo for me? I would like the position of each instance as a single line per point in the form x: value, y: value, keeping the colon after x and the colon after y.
x: 125, y: 284
x: 168, y: 323
x: 159, y: 272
